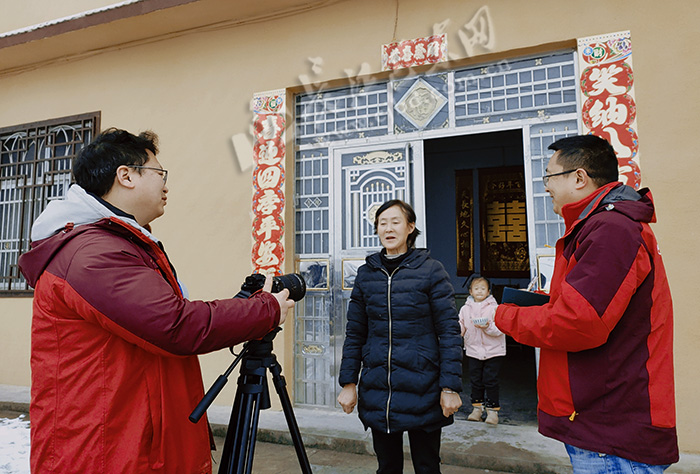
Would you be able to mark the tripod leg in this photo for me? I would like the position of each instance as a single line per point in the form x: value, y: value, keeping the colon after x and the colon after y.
x: 237, y: 456
x: 280, y: 387
x: 224, y: 466
x: 244, y: 459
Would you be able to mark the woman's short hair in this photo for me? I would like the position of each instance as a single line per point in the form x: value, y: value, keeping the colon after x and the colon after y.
x: 407, y: 211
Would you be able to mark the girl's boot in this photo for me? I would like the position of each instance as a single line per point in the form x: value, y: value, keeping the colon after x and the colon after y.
x: 476, y: 412
x: 492, y: 415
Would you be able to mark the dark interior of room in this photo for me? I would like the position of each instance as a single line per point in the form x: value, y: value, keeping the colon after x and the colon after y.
x: 444, y: 158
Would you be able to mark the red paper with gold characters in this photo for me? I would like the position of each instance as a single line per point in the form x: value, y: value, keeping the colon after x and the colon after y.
x: 268, y: 181
x: 609, y: 109
x: 415, y: 52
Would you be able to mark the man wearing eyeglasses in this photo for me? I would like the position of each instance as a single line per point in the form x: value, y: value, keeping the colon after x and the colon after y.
x: 605, y: 381
x: 114, y: 336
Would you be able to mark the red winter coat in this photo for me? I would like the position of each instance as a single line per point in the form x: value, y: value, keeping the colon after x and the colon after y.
x: 114, y: 370
x: 606, y: 365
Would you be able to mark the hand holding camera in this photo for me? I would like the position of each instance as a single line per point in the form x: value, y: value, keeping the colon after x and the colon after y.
x: 285, y: 302
x: 285, y: 288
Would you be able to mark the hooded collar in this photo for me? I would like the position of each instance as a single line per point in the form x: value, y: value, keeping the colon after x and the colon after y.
x: 64, y: 219
x: 78, y: 208
x: 638, y: 206
x: 488, y: 301
x: 111, y: 207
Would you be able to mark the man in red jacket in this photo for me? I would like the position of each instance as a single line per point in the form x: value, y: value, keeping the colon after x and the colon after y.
x: 605, y: 380
x: 114, y: 336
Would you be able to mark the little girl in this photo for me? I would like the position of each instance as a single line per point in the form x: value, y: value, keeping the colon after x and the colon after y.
x: 485, y: 346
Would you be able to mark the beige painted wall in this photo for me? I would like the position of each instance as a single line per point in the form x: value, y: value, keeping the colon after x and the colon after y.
x: 14, y: 340
x: 194, y: 91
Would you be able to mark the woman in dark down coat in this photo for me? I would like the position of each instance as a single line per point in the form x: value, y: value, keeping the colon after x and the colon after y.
x: 403, y: 341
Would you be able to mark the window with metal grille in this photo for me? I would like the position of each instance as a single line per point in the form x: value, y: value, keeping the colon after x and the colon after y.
x: 342, y: 114
x: 548, y: 226
x: 518, y: 89
x: 35, y: 168
x: 312, y: 208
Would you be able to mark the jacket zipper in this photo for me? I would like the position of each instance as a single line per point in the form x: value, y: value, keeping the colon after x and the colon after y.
x: 388, y: 374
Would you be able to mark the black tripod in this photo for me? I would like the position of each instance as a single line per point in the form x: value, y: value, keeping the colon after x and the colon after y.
x: 252, y: 395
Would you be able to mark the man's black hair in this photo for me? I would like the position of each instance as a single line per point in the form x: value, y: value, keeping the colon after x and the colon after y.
x: 591, y: 153
x: 410, y: 217
x: 95, y: 166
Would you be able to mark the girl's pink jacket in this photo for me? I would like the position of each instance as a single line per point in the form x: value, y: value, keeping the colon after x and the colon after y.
x: 480, y: 343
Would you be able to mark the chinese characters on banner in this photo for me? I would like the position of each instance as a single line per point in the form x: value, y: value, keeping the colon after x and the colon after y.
x: 464, y: 192
x: 477, y: 34
x: 609, y: 110
x: 504, y: 249
x: 415, y: 52
x: 268, y: 179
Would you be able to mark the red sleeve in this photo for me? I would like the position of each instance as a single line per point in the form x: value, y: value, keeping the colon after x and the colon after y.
x: 555, y: 325
x: 125, y: 295
x: 600, y: 278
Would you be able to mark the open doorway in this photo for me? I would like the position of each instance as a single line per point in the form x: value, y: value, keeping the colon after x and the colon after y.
x: 462, y: 176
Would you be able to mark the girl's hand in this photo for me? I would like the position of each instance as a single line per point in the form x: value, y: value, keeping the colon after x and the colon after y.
x: 483, y: 326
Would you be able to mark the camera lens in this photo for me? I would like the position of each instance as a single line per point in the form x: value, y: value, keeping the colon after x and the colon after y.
x: 293, y: 282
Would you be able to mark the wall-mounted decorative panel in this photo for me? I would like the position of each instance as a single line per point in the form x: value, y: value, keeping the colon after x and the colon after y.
x: 421, y: 104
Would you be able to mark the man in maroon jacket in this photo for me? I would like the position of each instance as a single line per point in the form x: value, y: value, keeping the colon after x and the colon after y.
x: 605, y: 380
x: 114, y: 336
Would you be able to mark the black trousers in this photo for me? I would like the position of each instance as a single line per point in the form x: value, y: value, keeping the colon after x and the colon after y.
x: 425, y: 451
x: 483, y: 376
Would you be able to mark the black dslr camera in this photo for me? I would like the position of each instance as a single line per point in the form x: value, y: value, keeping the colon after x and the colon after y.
x: 294, y: 282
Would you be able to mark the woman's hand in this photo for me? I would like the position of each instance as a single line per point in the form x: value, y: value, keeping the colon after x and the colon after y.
x: 348, y: 397
x: 450, y: 403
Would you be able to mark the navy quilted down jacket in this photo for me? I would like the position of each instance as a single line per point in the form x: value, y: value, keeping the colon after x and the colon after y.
x: 403, y: 340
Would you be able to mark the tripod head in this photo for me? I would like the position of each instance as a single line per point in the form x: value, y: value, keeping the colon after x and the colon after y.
x: 258, y: 350
x: 261, y: 347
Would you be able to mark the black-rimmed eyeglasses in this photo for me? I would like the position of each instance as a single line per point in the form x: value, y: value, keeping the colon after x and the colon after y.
x: 163, y: 173
x: 545, y: 178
